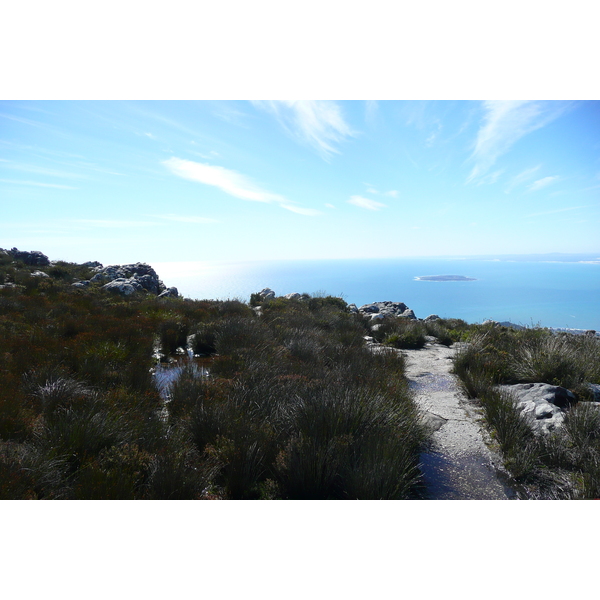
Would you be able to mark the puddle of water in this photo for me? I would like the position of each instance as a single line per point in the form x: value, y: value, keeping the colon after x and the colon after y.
x: 428, y: 382
x: 165, y: 375
x: 461, y: 478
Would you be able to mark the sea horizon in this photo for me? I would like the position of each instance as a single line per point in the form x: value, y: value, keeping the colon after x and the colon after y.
x: 549, y: 290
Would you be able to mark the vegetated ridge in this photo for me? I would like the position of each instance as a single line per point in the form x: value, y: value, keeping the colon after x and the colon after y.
x: 283, y: 397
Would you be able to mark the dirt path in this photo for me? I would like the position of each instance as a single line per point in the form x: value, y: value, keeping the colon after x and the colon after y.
x: 459, y: 465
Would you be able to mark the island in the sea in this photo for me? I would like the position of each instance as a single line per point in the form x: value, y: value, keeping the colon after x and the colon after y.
x: 445, y: 278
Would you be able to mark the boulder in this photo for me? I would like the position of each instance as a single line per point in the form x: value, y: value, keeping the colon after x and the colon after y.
x: 293, y: 296
x: 408, y: 314
x: 34, y: 258
x: 385, y: 309
x: 81, y: 284
x: 142, y: 273
x: 432, y: 318
x: 169, y: 293
x: 594, y: 388
x: 266, y: 294
x: 39, y: 274
x: 542, y: 405
x: 123, y: 286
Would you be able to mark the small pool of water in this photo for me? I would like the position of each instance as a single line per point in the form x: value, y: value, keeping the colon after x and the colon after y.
x: 461, y: 478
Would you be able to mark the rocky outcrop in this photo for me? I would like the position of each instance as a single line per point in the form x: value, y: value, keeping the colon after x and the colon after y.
x: 542, y: 405
x: 33, y: 259
x: 431, y: 318
x: 266, y: 294
x: 381, y: 310
x: 127, y: 279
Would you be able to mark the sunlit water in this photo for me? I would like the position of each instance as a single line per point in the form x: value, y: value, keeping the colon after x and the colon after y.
x: 551, y: 294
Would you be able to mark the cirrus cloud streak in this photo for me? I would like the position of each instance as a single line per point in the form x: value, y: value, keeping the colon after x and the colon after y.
x: 232, y: 183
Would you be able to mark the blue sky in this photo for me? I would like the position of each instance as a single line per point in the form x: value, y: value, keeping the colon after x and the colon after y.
x: 121, y: 181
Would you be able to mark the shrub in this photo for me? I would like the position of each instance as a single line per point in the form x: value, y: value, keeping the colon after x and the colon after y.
x: 553, y: 359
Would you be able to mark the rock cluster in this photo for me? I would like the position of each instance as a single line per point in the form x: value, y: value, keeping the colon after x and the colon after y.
x: 542, y: 405
x: 127, y: 279
x: 380, y: 310
x: 33, y: 259
x: 266, y: 294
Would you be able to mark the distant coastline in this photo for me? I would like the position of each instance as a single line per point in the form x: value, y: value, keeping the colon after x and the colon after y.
x: 445, y: 278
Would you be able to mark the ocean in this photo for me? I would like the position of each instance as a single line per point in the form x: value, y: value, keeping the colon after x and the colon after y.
x: 556, y: 294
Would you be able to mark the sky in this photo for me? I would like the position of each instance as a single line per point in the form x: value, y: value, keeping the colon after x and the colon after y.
x: 122, y: 181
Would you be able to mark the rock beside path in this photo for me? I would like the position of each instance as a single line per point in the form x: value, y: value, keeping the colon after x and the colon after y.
x: 542, y: 405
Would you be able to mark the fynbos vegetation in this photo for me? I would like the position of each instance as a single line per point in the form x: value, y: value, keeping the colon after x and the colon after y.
x: 565, y: 462
x: 283, y: 403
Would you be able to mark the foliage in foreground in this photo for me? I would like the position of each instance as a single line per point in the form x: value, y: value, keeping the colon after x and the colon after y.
x: 565, y: 464
x: 288, y: 404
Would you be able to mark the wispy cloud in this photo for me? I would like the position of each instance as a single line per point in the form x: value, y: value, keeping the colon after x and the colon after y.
x: 43, y: 171
x: 185, y: 218
x: 490, y: 178
x: 504, y: 123
x: 365, y: 203
x: 231, y: 182
x: 522, y: 177
x: 227, y: 180
x: 555, y: 211
x: 231, y: 115
x: 309, y: 212
x: 112, y: 223
x: 541, y: 183
x: 371, y: 112
x: 318, y: 123
x: 390, y: 193
x: 38, y: 184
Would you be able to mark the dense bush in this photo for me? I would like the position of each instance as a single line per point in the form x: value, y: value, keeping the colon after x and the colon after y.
x: 286, y: 404
x: 566, y: 463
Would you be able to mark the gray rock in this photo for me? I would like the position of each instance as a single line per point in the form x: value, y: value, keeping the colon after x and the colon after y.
x: 408, y: 314
x: 142, y: 273
x: 595, y: 389
x: 377, y: 316
x: 39, y: 274
x: 369, y: 308
x: 266, y: 294
x: 123, y: 286
x: 431, y: 318
x: 293, y: 296
x: 352, y: 308
x: 93, y: 264
x: 169, y: 293
x: 542, y: 405
x: 81, y: 284
x: 385, y: 309
x: 34, y: 258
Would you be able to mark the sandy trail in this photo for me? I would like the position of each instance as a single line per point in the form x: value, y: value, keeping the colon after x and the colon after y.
x: 459, y: 465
